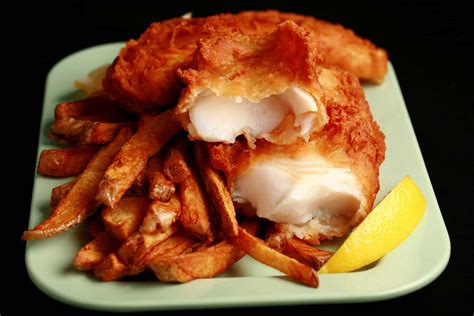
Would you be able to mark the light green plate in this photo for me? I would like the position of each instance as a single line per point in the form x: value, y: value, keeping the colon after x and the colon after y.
x: 414, y: 264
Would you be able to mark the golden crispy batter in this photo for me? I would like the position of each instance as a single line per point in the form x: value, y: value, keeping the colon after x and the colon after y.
x: 143, y: 77
x: 339, y: 46
x: 144, y: 73
x: 255, y: 66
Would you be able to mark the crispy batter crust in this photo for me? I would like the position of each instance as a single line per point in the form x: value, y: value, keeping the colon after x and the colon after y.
x: 143, y: 77
x: 255, y: 66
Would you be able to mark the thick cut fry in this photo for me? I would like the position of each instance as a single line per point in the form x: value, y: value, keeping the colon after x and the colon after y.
x: 261, y: 252
x: 65, y: 162
x: 129, y: 258
x: 176, y: 165
x: 206, y: 262
x: 59, y: 192
x: 194, y: 209
x: 175, y: 245
x: 95, y: 251
x: 139, y: 244
x: 80, y: 202
x: 111, y: 268
x: 84, y: 132
x: 218, y: 192
x: 153, y: 133
x: 161, y: 215
x: 160, y: 188
x: 98, y: 108
x: 304, y: 253
x: 95, y: 227
x: 125, y: 219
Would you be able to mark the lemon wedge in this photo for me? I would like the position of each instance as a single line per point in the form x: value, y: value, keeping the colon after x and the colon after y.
x: 390, y: 223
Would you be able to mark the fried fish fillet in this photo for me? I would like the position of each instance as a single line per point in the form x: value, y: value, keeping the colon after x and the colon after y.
x: 339, y: 46
x: 260, y: 86
x: 143, y: 77
x: 314, y: 170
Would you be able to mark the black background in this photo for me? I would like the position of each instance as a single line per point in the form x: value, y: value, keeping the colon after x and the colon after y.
x: 429, y: 45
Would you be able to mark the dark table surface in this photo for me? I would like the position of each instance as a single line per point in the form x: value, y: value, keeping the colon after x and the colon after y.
x: 428, y: 43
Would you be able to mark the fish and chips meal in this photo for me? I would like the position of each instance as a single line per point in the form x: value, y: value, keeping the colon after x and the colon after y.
x: 210, y: 138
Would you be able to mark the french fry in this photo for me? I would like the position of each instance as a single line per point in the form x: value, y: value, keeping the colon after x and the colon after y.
x: 217, y: 191
x: 91, y: 254
x: 139, y: 244
x: 65, y: 162
x: 97, y: 108
x: 161, y: 215
x: 176, y: 165
x: 139, y: 185
x: 80, y: 202
x: 194, y: 208
x: 154, y: 131
x: 175, y: 245
x: 206, y: 262
x: 266, y: 255
x: 304, y: 253
x: 125, y: 219
x: 95, y: 227
x: 59, y: 192
x: 160, y: 188
x: 111, y: 268
x: 84, y: 132
x: 129, y: 259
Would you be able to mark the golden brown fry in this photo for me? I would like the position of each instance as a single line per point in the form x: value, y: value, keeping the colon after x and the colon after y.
x: 304, y: 253
x: 95, y: 251
x: 194, y: 209
x: 95, y: 227
x: 126, y: 217
x: 98, y: 108
x: 206, y: 262
x: 175, y: 245
x: 84, y: 132
x: 160, y: 188
x: 139, y: 245
x: 129, y: 259
x: 161, y: 215
x: 65, y: 162
x: 59, y: 192
x: 80, y: 202
x: 139, y: 185
x: 153, y: 133
x: 261, y: 252
x: 111, y: 268
x: 176, y: 165
x: 217, y: 191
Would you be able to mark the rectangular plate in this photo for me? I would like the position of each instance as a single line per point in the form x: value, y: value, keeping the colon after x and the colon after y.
x: 415, y: 263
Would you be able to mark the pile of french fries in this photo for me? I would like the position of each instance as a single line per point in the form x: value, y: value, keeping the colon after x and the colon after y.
x: 151, y: 200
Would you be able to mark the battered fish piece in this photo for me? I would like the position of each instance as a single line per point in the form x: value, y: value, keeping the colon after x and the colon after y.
x: 143, y: 77
x: 339, y: 46
x: 317, y: 189
x: 315, y: 184
x: 259, y: 85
